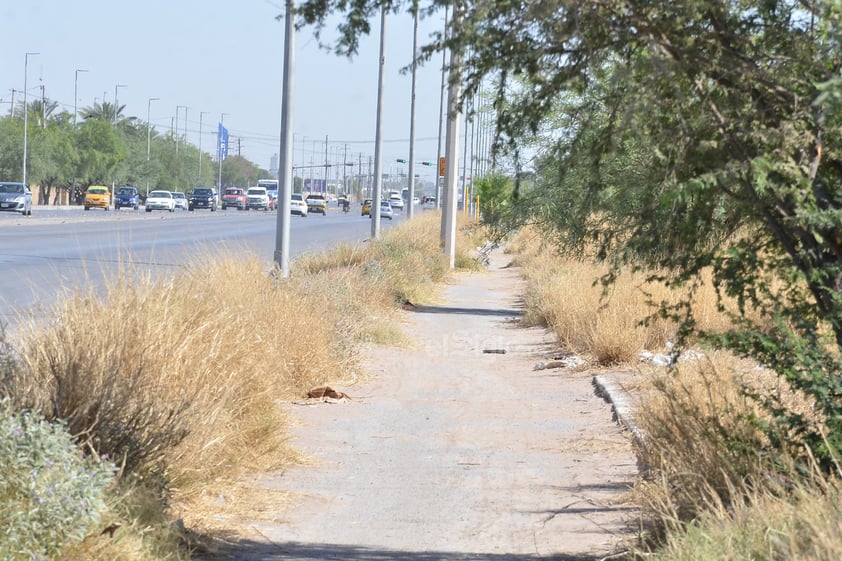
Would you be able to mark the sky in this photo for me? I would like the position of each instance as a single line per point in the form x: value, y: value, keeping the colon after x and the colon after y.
x: 203, y: 59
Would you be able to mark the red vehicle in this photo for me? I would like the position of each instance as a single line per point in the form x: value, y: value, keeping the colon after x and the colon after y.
x: 234, y: 197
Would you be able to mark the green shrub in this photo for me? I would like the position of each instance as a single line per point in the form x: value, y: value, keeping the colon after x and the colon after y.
x: 50, y: 494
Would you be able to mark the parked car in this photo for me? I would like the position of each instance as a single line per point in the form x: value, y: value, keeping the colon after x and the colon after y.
x: 385, y: 210
x: 257, y: 198
x: 202, y: 197
x: 366, y: 211
x: 180, y: 200
x: 127, y: 196
x: 234, y: 197
x: 316, y: 202
x: 15, y: 197
x: 298, y: 205
x: 97, y: 196
x: 160, y: 200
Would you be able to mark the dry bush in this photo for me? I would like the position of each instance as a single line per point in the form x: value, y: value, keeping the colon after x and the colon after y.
x: 608, y: 325
x: 800, y: 523
x: 183, y: 374
x: 706, y: 447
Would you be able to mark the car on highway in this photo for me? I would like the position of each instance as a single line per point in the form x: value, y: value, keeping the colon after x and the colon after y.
x: 396, y: 201
x: 366, y: 210
x: 15, y: 197
x: 202, y: 197
x: 127, y: 197
x: 97, y: 196
x: 429, y: 203
x: 180, y: 200
x: 298, y: 205
x: 160, y: 200
x: 316, y: 202
x: 385, y: 210
x: 234, y: 197
x: 257, y: 198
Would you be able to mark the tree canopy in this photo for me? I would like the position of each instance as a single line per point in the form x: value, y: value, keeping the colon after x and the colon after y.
x: 685, y: 136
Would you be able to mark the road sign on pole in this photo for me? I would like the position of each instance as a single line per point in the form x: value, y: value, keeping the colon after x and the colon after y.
x: 441, y: 166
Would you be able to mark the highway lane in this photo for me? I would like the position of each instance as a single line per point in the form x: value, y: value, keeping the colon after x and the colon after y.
x: 69, y: 249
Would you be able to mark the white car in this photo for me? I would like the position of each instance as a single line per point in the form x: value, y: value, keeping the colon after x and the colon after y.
x: 396, y: 202
x: 298, y: 205
x: 257, y: 198
x: 180, y: 200
x: 385, y: 210
x: 160, y: 200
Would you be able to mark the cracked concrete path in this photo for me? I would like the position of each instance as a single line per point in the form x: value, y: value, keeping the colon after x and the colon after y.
x: 458, y: 449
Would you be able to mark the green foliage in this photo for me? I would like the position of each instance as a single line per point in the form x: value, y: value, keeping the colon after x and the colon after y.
x: 495, y: 192
x: 50, y: 495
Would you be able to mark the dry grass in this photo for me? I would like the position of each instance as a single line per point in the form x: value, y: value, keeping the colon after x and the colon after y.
x: 605, y: 326
x: 716, y: 486
x: 180, y: 380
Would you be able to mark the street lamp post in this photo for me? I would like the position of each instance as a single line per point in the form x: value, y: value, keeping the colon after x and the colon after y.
x: 219, y: 156
x: 411, y: 172
x: 115, y: 99
x: 201, y: 113
x: 76, y: 94
x: 148, y: 138
x: 25, y: 112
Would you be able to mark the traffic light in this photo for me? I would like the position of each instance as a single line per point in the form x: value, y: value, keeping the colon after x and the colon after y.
x: 401, y: 160
x: 426, y: 163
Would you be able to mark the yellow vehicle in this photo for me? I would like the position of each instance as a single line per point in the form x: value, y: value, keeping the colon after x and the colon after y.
x: 97, y: 196
x: 366, y: 208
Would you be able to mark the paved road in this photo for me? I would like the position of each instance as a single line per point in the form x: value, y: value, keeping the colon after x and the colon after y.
x: 71, y: 248
x: 454, y: 453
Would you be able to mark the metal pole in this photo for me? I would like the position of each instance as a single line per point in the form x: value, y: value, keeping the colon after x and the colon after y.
x: 219, y: 157
x: 148, y: 138
x: 465, y: 160
x: 378, y: 136
x: 411, y: 195
x: 76, y: 95
x: 287, y: 145
x: 25, y: 111
x: 327, y: 165
x: 201, y: 113
x: 115, y: 99
x: 440, y: 193
x: 451, y: 171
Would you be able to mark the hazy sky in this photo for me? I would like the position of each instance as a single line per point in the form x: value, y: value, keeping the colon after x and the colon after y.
x: 219, y: 57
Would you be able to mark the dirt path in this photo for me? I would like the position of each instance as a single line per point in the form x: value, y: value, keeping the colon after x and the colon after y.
x: 457, y: 453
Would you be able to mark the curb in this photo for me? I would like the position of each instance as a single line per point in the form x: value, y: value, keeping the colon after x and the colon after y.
x: 618, y: 397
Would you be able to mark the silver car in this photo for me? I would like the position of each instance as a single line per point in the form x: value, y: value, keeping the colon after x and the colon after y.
x: 15, y: 197
x: 180, y: 200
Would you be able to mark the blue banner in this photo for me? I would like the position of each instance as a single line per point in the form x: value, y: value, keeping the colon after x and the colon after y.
x: 221, y: 143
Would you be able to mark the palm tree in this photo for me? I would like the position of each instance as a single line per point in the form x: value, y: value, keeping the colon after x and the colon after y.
x: 104, y: 111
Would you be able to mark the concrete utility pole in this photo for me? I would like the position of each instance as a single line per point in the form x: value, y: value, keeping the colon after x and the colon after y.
x: 378, y: 136
x: 451, y: 170
x: 25, y: 109
x: 75, y: 95
x: 440, y: 192
x: 287, y: 145
x: 411, y: 194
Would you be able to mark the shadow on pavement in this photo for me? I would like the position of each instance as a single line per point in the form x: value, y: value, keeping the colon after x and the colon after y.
x: 249, y: 550
x: 504, y: 312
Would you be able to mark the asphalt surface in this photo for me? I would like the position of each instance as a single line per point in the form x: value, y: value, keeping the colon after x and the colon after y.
x: 459, y: 449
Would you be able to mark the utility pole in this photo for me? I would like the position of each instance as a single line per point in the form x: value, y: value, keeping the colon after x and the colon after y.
x: 411, y: 193
x: 43, y: 108
x: 25, y: 110
x: 327, y: 166
x: 201, y: 113
x: 378, y: 136
x: 287, y: 145
x: 452, y: 147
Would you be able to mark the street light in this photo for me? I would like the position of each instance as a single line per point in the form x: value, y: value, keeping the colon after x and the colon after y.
x: 25, y: 112
x: 201, y: 113
x: 115, y: 99
x: 177, y: 107
x: 76, y: 94
x: 148, y: 138
x: 219, y: 155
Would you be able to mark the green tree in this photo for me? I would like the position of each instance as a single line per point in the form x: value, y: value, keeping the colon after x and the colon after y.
x: 698, y: 134
x: 100, y: 151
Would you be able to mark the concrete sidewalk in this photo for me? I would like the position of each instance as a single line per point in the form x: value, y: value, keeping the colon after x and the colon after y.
x: 459, y: 449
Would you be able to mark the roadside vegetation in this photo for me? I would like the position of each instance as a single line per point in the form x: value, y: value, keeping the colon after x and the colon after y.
x: 171, y: 391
